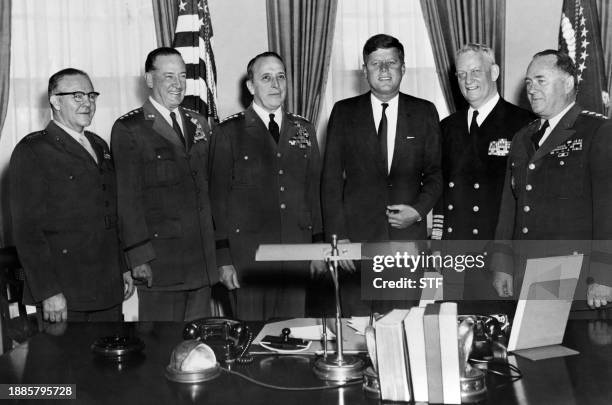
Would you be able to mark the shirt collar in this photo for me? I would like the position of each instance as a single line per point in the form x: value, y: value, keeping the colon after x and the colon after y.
x: 164, y: 111
x: 552, y: 123
x: 376, y: 103
x: 484, y: 110
x: 76, y: 135
x: 265, y: 115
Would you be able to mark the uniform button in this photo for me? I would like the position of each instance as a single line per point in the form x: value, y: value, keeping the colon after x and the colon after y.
x: 282, y: 188
x: 283, y: 206
x: 390, y: 185
x: 561, y: 163
x: 64, y: 251
x: 71, y: 177
x: 159, y: 156
x: 449, y: 230
x: 528, y: 187
x: 450, y: 207
x: 237, y: 230
x: 451, y: 184
x: 155, y: 235
x: 531, y: 166
x: 476, y: 208
x: 512, y: 164
x: 310, y: 227
x: 281, y: 171
x: 525, y: 230
x: 475, y: 231
x: 246, y: 157
x: 278, y: 154
x: 476, y: 186
x: 526, y: 208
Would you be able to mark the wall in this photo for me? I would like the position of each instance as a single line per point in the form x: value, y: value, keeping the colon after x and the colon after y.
x: 531, y: 26
x: 240, y: 31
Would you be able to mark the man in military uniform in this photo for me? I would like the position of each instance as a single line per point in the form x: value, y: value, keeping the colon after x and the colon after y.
x: 558, y: 184
x: 63, y: 205
x: 475, y: 146
x: 161, y: 155
x: 265, y: 189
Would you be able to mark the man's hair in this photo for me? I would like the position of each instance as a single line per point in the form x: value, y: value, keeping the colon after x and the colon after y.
x: 481, y: 49
x: 163, y: 51
x: 251, y: 63
x: 564, y: 62
x: 382, y: 41
x: 56, y: 77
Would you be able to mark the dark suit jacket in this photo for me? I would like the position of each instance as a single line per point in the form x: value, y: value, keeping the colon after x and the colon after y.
x: 561, y: 192
x: 63, y: 207
x: 355, y: 186
x: 474, y: 174
x: 164, y: 209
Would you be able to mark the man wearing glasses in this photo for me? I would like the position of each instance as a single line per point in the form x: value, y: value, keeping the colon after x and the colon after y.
x: 63, y: 205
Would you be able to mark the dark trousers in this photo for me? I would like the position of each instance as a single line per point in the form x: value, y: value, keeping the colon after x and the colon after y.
x: 111, y: 314
x: 173, y: 305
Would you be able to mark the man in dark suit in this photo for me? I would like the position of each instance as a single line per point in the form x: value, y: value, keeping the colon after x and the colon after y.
x: 265, y: 189
x: 558, y: 185
x: 475, y: 146
x: 63, y: 205
x: 381, y: 172
x: 161, y: 156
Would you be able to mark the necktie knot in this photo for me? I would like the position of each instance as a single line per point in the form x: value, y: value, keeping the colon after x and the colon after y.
x: 384, y: 106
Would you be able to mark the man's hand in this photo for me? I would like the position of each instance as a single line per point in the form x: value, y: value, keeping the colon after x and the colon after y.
x: 143, y: 273
x: 401, y: 216
x: 229, y: 277
x: 317, y: 268
x: 502, y: 282
x: 346, y: 265
x: 128, y: 285
x: 598, y: 295
x: 55, y: 308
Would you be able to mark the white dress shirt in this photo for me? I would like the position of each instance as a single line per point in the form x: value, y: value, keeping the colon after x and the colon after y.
x: 483, y: 111
x: 165, y: 113
x: 80, y: 138
x: 552, y: 123
x: 265, y: 116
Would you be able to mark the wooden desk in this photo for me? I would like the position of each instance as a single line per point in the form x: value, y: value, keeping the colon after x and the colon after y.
x: 582, y: 379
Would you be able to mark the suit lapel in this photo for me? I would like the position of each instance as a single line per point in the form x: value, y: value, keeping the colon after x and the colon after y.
x: 562, y: 131
x: 98, y: 149
x: 257, y: 129
x: 160, y: 125
x: 68, y: 143
x: 189, y: 128
x: 366, y: 131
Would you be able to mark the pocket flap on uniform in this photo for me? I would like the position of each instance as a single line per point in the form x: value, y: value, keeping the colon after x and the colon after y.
x: 166, y: 229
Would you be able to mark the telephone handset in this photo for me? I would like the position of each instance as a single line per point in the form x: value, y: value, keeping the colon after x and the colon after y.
x: 228, y: 338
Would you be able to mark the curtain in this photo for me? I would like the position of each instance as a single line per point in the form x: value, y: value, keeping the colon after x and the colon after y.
x: 165, y: 13
x: 5, y: 56
x: 604, y: 9
x: 356, y: 21
x: 107, y: 39
x: 453, y: 23
x: 302, y: 33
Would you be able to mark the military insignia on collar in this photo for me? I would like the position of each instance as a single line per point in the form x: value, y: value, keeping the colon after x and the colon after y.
x: 302, y: 138
x: 500, y: 147
x: 107, y: 156
x: 563, y: 150
x: 200, y: 134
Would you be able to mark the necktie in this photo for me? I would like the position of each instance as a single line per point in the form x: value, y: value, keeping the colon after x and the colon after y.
x: 537, y: 137
x: 177, y: 128
x: 85, y: 143
x: 382, y: 135
x: 273, y: 128
x: 474, y: 123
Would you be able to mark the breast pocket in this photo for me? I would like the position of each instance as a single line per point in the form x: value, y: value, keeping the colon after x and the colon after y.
x: 565, y: 176
x: 245, y: 170
x: 162, y: 170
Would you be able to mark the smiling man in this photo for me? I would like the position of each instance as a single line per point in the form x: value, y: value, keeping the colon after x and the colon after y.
x: 381, y: 172
x: 558, y: 184
x: 63, y: 205
x: 161, y: 156
x: 265, y: 189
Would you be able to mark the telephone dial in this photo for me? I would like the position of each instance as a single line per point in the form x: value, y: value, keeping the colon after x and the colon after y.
x: 228, y: 338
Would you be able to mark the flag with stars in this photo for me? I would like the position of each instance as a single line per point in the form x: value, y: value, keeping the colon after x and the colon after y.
x: 579, y: 37
x: 192, y: 38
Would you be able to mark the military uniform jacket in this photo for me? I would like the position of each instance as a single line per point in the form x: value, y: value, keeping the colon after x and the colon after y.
x: 263, y: 192
x: 164, y: 208
x: 474, y: 172
x: 356, y: 188
x: 562, y: 192
x: 63, y: 207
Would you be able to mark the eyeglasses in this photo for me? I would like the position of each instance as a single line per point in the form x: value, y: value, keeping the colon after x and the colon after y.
x: 79, y: 96
x: 473, y: 73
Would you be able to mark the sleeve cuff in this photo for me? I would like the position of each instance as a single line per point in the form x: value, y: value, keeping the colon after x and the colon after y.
x: 139, y: 254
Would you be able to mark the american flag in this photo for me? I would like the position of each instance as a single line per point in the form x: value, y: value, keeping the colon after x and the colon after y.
x: 579, y: 37
x: 192, y: 38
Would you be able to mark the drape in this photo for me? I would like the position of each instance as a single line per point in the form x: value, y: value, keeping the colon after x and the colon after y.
x: 5, y: 57
x: 604, y: 9
x: 302, y: 33
x: 453, y: 23
x: 165, y: 13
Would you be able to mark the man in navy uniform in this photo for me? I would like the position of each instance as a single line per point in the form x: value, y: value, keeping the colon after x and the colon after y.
x: 265, y: 189
x: 475, y: 145
x: 63, y: 205
x: 381, y: 172
x: 161, y: 156
x: 558, y: 184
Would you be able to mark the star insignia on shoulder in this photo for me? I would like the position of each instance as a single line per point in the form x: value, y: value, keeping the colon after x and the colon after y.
x: 132, y: 113
x: 593, y: 114
x: 297, y: 116
x: 232, y: 117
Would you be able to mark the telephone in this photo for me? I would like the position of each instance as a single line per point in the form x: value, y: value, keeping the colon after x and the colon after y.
x: 228, y: 338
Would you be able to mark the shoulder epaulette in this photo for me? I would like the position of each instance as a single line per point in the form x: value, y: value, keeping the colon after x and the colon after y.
x: 131, y: 113
x: 232, y: 117
x: 593, y: 114
x: 297, y: 116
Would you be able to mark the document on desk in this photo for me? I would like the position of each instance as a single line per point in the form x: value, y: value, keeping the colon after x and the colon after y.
x: 311, y: 329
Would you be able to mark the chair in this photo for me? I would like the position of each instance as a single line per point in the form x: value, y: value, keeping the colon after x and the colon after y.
x: 15, y: 326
